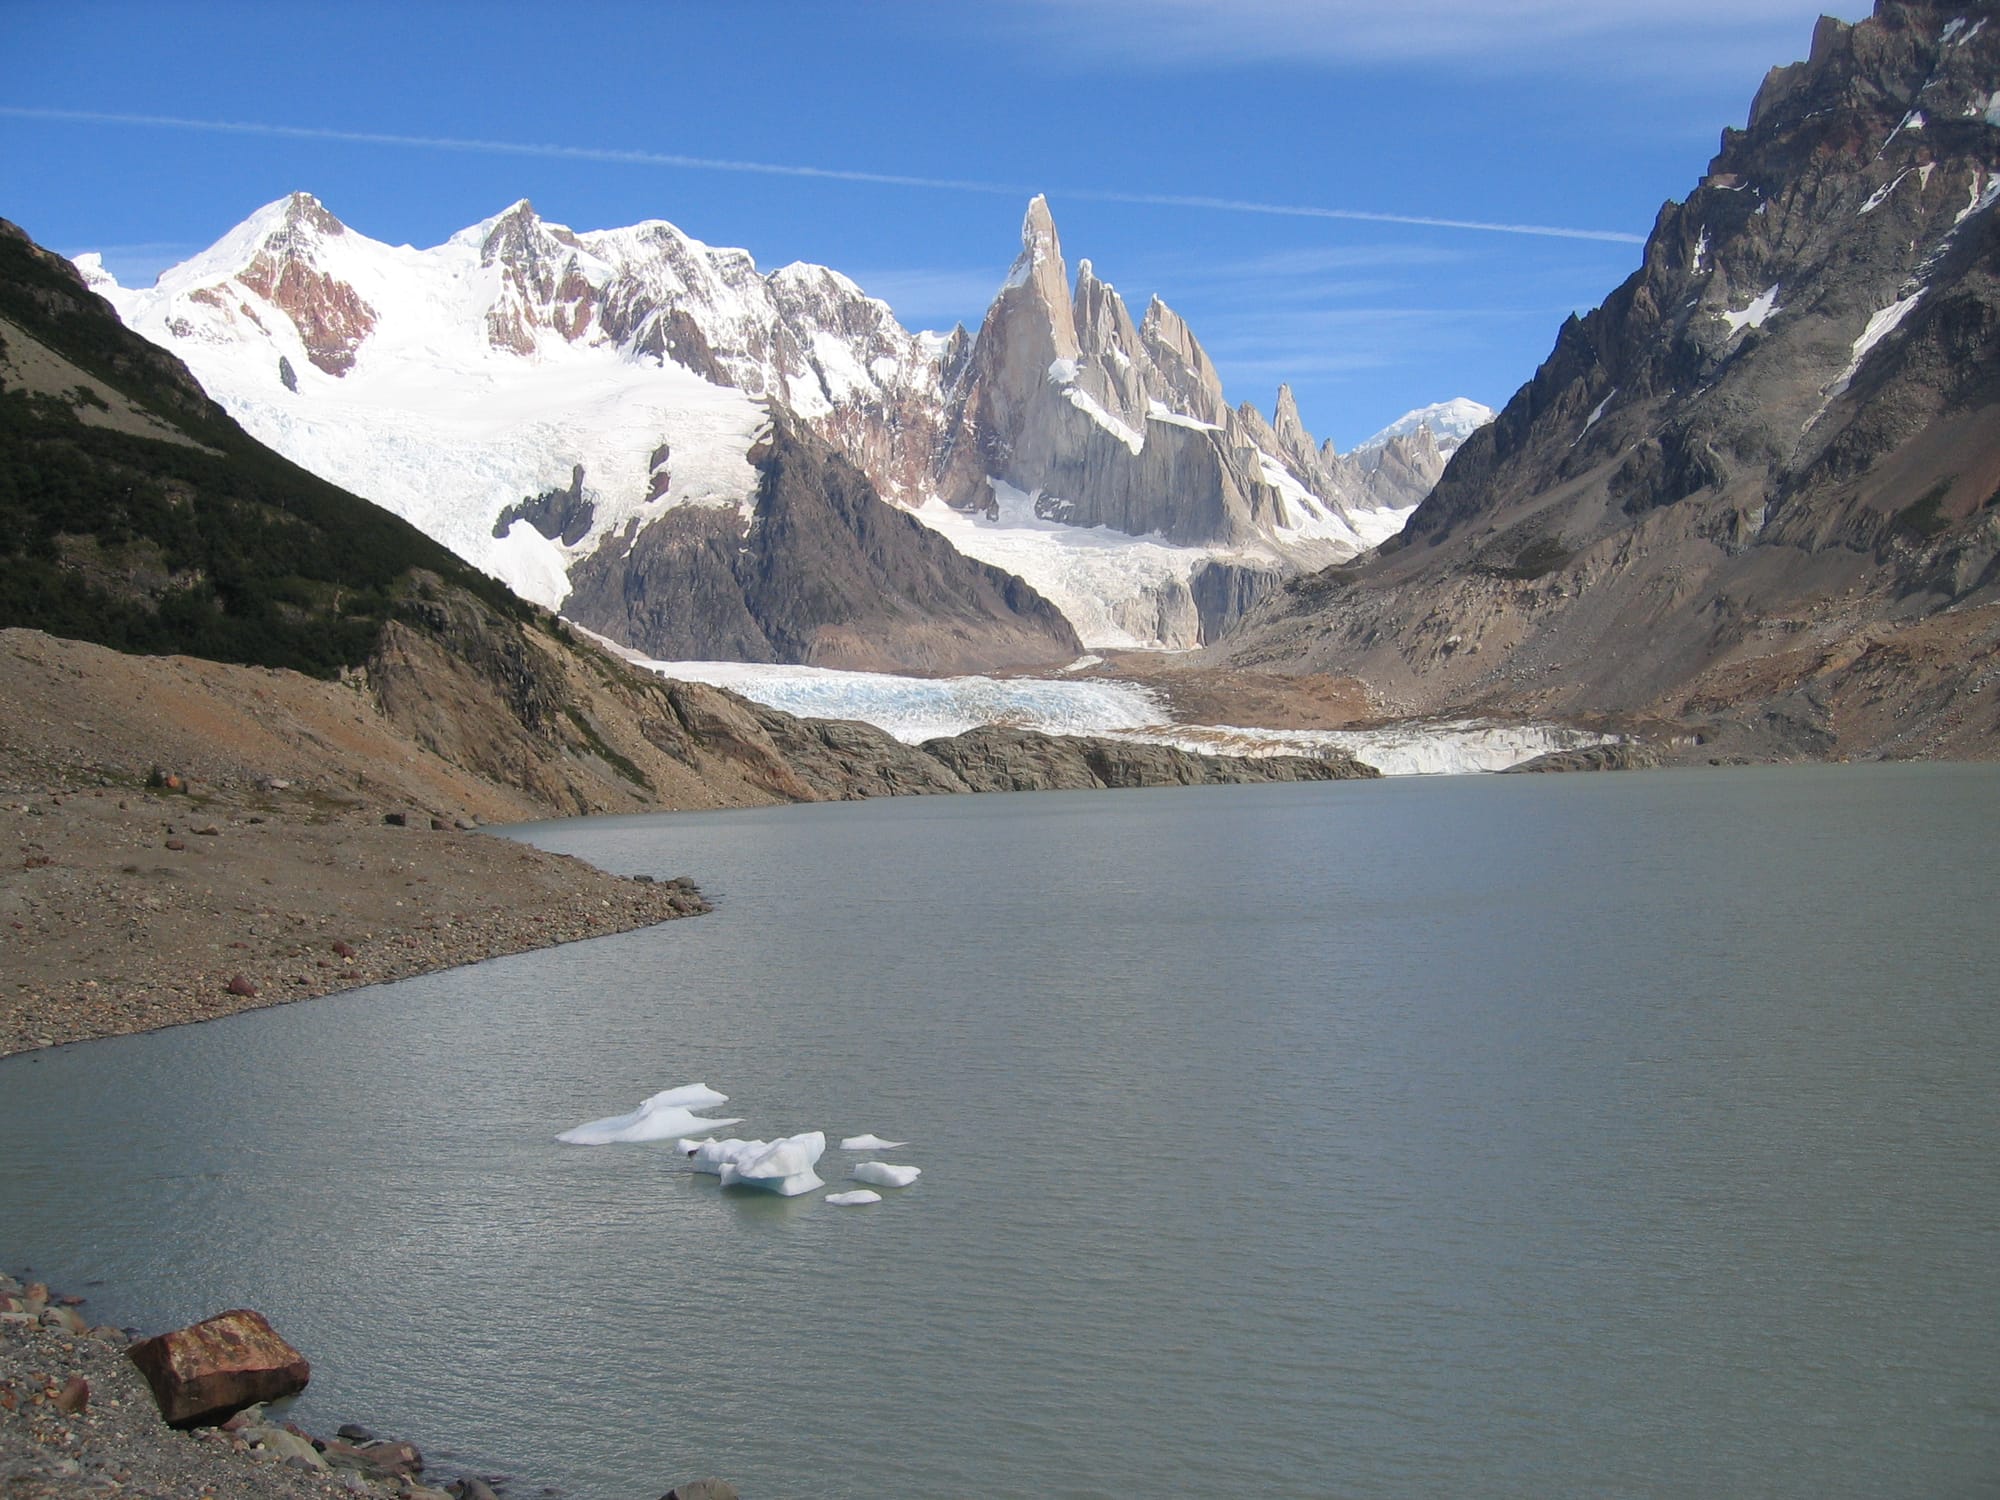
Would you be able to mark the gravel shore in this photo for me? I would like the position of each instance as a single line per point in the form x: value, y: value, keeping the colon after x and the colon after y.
x: 126, y: 910
x: 77, y: 1419
x: 181, y: 840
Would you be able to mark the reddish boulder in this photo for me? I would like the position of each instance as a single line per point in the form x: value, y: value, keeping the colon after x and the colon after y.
x: 206, y: 1372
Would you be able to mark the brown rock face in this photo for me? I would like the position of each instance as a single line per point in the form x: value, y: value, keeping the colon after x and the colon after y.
x: 208, y: 1371
x: 331, y: 317
x: 1755, y: 493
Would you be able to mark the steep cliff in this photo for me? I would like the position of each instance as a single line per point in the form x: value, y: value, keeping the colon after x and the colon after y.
x: 1753, y: 493
x: 819, y: 571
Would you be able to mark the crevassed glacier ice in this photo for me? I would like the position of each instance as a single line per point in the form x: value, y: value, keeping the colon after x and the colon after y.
x: 854, y: 1199
x: 882, y: 1174
x: 913, y: 709
x: 669, y: 1113
x: 870, y: 1142
x: 784, y: 1167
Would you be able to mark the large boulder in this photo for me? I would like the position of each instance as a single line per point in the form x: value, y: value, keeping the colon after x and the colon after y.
x: 205, y: 1373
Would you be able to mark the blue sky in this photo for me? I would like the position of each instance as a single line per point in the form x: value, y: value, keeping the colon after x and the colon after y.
x: 1140, y: 119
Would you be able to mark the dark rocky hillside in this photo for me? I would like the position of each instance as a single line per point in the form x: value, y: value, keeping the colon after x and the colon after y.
x: 135, y: 513
x: 824, y: 573
x: 1755, y: 495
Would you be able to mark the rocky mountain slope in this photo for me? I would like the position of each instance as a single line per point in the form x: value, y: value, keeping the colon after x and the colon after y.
x: 135, y: 514
x: 540, y: 400
x: 1756, y: 493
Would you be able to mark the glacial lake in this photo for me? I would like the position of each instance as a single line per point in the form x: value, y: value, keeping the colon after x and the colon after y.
x: 1630, y: 1135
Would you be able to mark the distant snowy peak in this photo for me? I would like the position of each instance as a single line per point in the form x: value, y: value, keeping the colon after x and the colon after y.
x: 532, y: 395
x: 1451, y: 423
x: 520, y: 285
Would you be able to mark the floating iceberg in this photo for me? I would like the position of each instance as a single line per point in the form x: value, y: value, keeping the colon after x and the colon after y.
x: 854, y: 1199
x: 870, y: 1143
x: 784, y: 1167
x: 711, y: 1155
x: 883, y: 1175
x: 671, y: 1112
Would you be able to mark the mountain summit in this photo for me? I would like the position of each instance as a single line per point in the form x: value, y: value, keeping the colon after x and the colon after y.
x: 1757, y: 491
x: 538, y: 398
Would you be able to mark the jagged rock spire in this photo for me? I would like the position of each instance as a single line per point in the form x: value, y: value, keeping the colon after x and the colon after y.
x: 1040, y: 270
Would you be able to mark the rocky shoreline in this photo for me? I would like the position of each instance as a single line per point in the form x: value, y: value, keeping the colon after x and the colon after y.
x: 77, y: 1418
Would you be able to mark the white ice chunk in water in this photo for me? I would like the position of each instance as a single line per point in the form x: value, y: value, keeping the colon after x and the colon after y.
x: 882, y: 1174
x: 854, y: 1199
x: 784, y: 1167
x: 870, y: 1142
x: 669, y: 1113
x: 712, y: 1155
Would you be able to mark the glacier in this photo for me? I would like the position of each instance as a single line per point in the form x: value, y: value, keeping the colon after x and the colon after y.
x: 915, y: 709
x: 634, y: 369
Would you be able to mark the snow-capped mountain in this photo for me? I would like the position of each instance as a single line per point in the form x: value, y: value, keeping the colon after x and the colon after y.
x: 539, y: 399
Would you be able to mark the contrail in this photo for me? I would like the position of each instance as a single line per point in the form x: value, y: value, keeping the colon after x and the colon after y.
x: 778, y: 169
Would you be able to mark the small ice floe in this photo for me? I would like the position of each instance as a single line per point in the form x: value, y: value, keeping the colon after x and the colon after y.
x: 870, y: 1143
x: 784, y: 1167
x: 854, y: 1199
x: 882, y: 1174
x: 667, y: 1114
x: 712, y: 1155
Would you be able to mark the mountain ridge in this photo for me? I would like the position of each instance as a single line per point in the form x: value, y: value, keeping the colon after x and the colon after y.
x: 1752, y: 494
x: 648, y: 360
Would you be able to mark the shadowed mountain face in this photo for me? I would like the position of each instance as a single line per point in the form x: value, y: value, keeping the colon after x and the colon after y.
x: 1754, y: 491
x: 822, y: 572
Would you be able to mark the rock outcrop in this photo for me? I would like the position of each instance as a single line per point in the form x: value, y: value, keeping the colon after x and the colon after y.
x: 997, y: 759
x: 820, y: 571
x: 1763, y: 469
x: 1112, y: 423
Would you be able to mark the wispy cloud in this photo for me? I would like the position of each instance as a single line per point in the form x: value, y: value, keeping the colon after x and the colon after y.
x: 619, y: 156
x: 1650, y: 36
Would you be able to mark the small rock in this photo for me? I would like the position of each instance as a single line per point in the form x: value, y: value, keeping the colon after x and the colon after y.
x: 238, y: 985
x: 67, y: 1319
x: 177, y: 844
x: 287, y: 1447
x: 251, y: 1416
x: 470, y: 1488
x: 353, y: 1432
x: 343, y: 950
x: 396, y: 820
x: 379, y: 1459
x: 74, y: 1396
x: 438, y: 825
